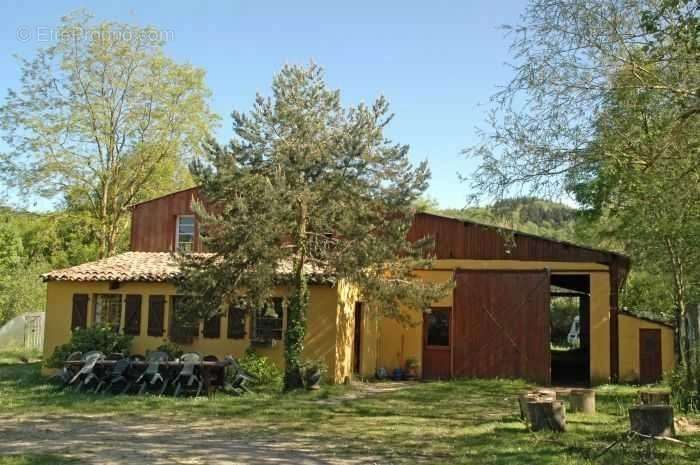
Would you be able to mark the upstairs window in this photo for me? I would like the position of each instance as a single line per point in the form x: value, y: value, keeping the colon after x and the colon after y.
x: 184, y: 233
x: 268, y: 321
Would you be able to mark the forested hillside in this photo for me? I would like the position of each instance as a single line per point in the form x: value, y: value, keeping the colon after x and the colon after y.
x: 526, y: 214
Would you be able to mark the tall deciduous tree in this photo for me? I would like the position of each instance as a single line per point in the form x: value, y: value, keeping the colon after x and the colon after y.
x: 605, y: 102
x: 103, y: 118
x: 652, y: 207
x: 568, y: 56
x: 315, y: 185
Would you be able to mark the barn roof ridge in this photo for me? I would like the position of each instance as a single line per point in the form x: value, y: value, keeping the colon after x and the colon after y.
x: 617, y: 255
x: 130, y: 206
x: 526, y: 234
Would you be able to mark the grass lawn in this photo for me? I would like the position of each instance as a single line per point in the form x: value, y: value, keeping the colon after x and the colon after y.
x: 457, y: 422
x: 35, y: 460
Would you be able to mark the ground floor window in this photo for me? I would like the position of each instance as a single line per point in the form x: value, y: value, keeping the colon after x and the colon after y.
x: 108, y: 310
x: 268, y: 321
x: 236, y: 322
x: 183, y: 328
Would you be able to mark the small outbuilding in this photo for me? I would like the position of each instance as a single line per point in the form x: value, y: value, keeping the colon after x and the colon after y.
x: 646, y: 348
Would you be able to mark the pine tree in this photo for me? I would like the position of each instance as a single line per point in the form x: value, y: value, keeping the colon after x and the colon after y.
x: 316, y: 185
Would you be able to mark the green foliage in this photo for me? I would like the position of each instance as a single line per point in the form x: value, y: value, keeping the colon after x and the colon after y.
x: 563, y: 310
x: 173, y: 350
x: 605, y: 105
x: 685, y: 388
x: 11, y: 251
x: 312, y: 366
x: 103, y: 120
x: 527, y: 214
x: 264, y: 370
x: 21, y: 289
x: 294, y: 336
x: 648, y: 294
x: 36, y: 243
x: 308, y: 189
x: 98, y: 337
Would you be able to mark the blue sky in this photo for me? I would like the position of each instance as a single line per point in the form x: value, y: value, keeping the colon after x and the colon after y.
x: 437, y: 62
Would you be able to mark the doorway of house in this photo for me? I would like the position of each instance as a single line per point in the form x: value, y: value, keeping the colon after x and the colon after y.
x: 436, y: 343
x: 357, y: 340
x: 570, y: 329
x: 649, y: 356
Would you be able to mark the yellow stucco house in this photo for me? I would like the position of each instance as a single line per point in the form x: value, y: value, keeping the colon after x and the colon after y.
x: 496, y: 323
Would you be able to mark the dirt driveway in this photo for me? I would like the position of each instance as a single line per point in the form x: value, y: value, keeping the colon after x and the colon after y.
x: 126, y: 440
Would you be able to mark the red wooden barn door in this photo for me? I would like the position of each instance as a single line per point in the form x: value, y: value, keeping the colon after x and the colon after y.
x: 501, y: 324
x: 649, y: 356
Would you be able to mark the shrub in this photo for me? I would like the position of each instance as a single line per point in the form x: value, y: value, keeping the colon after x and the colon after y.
x: 262, y: 368
x: 173, y: 350
x: 313, y: 365
x: 310, y: 367
x: 98, y: 337
x: 685, y: 388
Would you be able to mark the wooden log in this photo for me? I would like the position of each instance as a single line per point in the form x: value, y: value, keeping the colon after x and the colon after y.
x: 652, y: 420
x: 547, y: 415
x: 582, y: 400
x: 654, y: 397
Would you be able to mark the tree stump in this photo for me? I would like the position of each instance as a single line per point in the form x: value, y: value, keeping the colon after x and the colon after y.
x: 544, y: 392
x: 547, y: 415
x: 654, y: 397
x: 531, y: 396
x: 582, y: 400
x: 652, y: 420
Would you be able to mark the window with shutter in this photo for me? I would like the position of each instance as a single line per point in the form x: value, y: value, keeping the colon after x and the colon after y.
x: 236, y: 322
x: 156, y: 315
x: 212, y: 327
x: 108, y: 310
x: 132, y: 320
x: 182, y: 329
x: 79, y: 314
x: 267, y: 321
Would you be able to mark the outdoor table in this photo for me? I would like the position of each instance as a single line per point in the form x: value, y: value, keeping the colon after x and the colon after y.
x: 213, y: 373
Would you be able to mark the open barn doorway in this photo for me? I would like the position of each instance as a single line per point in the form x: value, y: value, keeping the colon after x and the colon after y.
x: 570, y: 329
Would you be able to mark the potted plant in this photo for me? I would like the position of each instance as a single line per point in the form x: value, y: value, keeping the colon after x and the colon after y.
x: 313, y: 371
x: 412, y: 366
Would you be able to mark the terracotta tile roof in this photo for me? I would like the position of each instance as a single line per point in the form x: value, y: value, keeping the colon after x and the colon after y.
x: 146, y: 267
